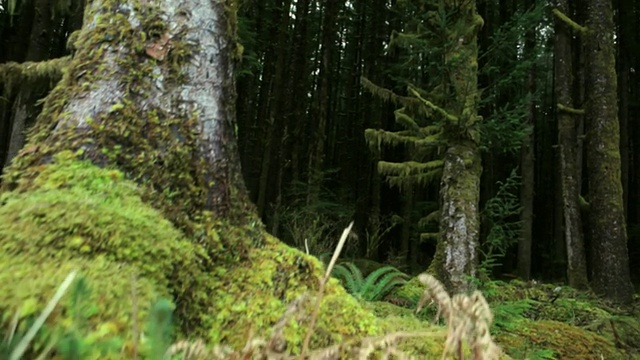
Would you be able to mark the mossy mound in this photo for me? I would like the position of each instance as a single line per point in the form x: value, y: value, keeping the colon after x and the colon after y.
x: 400, y: 319
x: 255, y: 293
x: 565, y: 341
x: 73, y: 209
x: 105, y: 305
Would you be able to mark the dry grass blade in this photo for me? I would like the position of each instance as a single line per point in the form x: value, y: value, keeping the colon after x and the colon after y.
x: 316, y: 310
x: 24, y: 343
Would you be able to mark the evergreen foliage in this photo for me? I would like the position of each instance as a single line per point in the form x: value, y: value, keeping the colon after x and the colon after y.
x: 506, y: 100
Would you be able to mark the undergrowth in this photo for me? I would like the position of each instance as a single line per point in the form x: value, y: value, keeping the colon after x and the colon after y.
x: 468, y: 321
x: 375, y: 286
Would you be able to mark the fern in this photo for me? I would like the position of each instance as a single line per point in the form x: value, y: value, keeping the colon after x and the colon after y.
x: 372, y: 288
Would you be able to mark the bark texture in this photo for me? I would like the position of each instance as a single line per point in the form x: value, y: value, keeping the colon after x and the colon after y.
x: 568, y: 154
x: 169, y: 73
x: 457, y: 259
x: 460, y: 221
x: 610, y: 259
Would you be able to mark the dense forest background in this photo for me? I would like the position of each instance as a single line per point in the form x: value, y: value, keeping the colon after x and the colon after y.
x: 328, y: 131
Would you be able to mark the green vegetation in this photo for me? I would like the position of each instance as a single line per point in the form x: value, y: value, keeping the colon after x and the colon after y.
x: 374, y: 287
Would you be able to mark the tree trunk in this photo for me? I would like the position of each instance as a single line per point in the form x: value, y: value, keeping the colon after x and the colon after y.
x: 568, y: 155
x: 457, y: 254
x: 610, y: 259
x: 97, y: 90
x: 527, y: 162
x: 316, y: 159
x: 459, y: 217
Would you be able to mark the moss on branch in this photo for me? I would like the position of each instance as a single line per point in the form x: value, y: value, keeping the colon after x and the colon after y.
x: 13, y: 74
x: 567, y: 20
x: 435, y: 107
x: 570, y: 110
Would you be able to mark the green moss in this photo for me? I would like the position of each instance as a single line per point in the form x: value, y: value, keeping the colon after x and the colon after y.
x: 73, y: 209
x: 429, y: 346
x: 108, y: 309
x: 566, y: 341
x: 255, y: 294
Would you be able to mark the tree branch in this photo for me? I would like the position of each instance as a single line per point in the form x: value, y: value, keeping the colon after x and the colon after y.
x: 13, y: 74
x: 435, y: 107
x: 567, y: 20
x: 570, y: 110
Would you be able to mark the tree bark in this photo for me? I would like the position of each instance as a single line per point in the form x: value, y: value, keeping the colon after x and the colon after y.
x: 527, y: 163
x: 457, y: 254
x: 323, y: 97
x: 568, y: 154
x: 184, y: 70
x: 610, y: 259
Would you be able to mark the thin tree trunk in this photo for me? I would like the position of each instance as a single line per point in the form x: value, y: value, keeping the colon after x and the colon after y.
x: 527, y: 164
x: 568, y: 155
x: 610, y: 258
x: 318, y: 151
x: 526, y: 198
x: 274, y: 120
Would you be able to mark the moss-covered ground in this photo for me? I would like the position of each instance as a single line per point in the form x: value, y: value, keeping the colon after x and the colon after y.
x: 237, y: 282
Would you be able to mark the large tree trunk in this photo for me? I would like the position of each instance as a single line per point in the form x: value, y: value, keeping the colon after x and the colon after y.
x: 184, y: 70
x: 568, y: 154
x: 606, y: 216
x: 140, y: 130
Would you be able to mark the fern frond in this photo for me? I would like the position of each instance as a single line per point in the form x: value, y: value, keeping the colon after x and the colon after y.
x: 379, y: 280
x: 350, y: 276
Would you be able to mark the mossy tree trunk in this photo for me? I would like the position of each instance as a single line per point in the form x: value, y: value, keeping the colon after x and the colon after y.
x: 610, y: 258
x: 151, y: 92
x: 457, y: 254
x: 568, y: 153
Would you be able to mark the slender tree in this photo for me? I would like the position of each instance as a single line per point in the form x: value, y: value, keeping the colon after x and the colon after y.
x: 568, y: 152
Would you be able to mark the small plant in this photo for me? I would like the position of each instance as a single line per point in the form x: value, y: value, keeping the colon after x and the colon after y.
x: 502, y: 213
x: 373, y: 287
